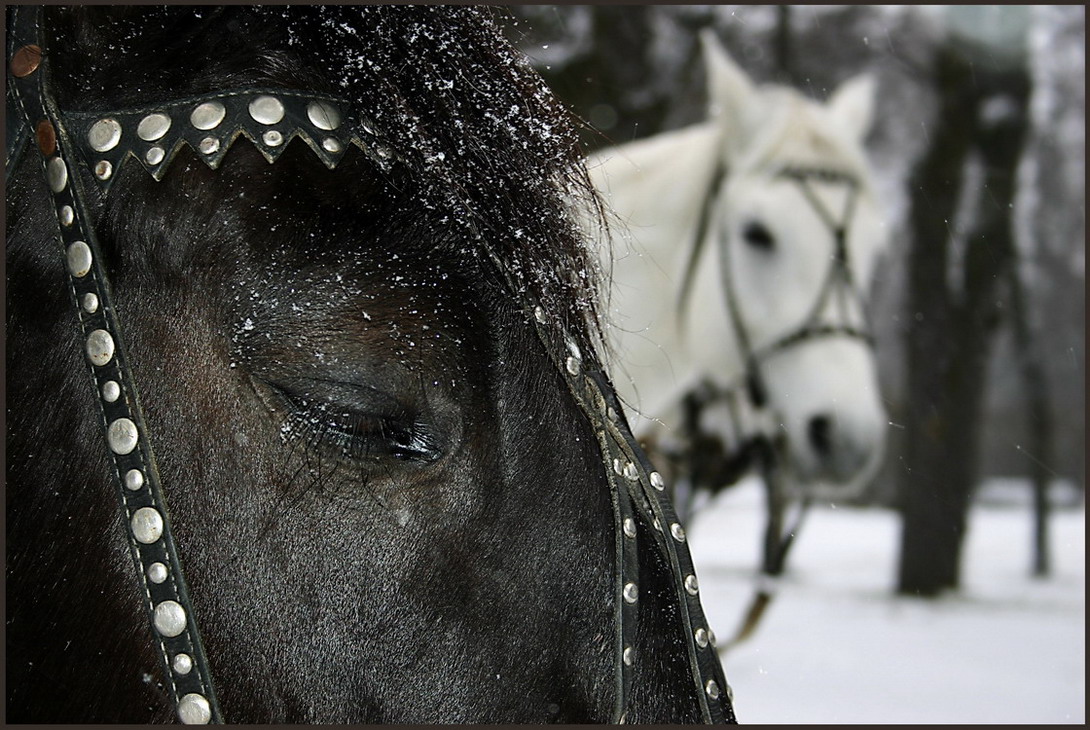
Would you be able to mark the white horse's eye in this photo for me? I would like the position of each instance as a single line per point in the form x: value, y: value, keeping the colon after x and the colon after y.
x: 758, y: 236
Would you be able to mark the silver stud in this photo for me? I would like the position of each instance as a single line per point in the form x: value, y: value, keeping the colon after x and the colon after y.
x: 657, y: 525
x: 169, y: 618
x: 629, y: 656
x: 122, y: 436
x: 384, y: 152
x: 157, y: 573
x: 611, y: 414
x: 629, y: 527
x: 539, y: 314
x: 331, y: 145
x: 573, y: 366
x: 323, y: 115
x: 111, y: 391
x: 631, y: 593
x: 134, y: 479
x: 273, y: 138
x: 103, y: 170
x: 631, y: 473
x: 183, y: 664
x: 657, y: 481
x: 692, y: 585
x: 104, y: 135
x: 701, y: 637
x: 193, y: 709
x: 90, y: 302
x: 79, y: 259
x: 57, y: 174
x: 266, y: 110
x: 68, y: 216
x: 711, y: 640
x: 147, y: 525
x: 153, y: 127
x: 712, y: 689
x: 100, y: 347
x: 155, y: 155
x: 678, y: 532
x: 209, y: 145
x: 208, y: 115
x: 618, y: 467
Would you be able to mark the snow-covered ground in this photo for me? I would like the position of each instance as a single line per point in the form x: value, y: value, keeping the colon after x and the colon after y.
x: 837, y: 646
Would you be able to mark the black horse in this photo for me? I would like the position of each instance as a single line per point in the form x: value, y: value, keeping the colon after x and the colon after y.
x: 368, y: 388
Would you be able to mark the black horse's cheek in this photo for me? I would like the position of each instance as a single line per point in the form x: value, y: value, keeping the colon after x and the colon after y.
x: 306, y: 418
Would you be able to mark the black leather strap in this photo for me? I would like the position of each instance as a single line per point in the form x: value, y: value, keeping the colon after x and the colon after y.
x: 185, y: 668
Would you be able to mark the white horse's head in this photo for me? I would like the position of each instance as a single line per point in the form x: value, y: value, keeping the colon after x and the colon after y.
x: 798, y: 229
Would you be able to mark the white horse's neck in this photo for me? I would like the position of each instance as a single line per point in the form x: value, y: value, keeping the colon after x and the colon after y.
x: 658, y: 355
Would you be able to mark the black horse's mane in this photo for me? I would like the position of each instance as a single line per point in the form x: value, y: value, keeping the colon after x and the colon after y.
x: 440, y: 84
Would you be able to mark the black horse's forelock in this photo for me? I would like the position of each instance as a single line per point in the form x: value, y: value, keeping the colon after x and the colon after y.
x: 440, y: 83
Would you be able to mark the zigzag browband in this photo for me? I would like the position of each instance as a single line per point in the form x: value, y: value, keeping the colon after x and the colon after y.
x: 210, y: 124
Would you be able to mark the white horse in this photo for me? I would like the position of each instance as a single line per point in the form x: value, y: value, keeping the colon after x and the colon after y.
x: 739, y: 279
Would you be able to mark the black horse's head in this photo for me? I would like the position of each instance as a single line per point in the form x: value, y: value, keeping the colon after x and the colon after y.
x: 390, y: 502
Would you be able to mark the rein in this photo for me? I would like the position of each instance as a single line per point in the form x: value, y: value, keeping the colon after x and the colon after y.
x: 78, y: 149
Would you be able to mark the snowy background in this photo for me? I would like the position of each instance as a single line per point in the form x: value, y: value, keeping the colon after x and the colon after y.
x: 837, y: 646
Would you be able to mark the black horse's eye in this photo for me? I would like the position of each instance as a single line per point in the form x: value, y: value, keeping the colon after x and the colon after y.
x: 371, y: 430
x: 758, y: 236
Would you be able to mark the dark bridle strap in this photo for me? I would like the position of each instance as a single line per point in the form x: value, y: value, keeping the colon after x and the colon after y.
x: 147, y: 520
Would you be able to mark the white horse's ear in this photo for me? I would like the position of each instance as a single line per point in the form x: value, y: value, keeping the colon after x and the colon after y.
x: 730, y: 92
x: 852, y: 104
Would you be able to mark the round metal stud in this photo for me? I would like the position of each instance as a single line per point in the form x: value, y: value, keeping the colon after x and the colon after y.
x: 79, y: 259
x: 266, y: 110
x: 193, y: 709
x: 157, y: 573
x: 26, y: 60
x: 618, y: 467
x: 631, y: 473
x: 67, y: 215
x: 692, y: 585
x: 657, y: 481
x: 153, y: 127
x: 701, y: 637
x: 631, y: 593
x: 273, y: 138
x: 47, y: 137
x: 629, y: 527
x: 331, y: 145
x: 209, y: 145
x: 324, y: 115
x: 122, y: 436
x: 169, y: 618
x: 111, y: 391
x: 208, y: 115
x: 678, y: 532
x: 384, y: 152
x: 147, y: 525
x: 104, y: 135
x: 100, y: 347
x: 629, y: 656
x: 712, y: 689
x: 572, y: 365
x: 711, y: 640
x: 656, y: 524
x: 90, y: 302
x: 103, y: 170
x: 57, y: 174
x: 134, y: 479
x: 611, y: 414
x: 539, y: 314
x: 155, y: 155
x: 183, y: 664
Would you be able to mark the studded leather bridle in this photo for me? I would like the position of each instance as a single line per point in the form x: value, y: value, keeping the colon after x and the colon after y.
x: 79, y: 149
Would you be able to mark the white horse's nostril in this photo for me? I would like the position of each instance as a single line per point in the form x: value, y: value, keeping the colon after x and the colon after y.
x: 820, y: 432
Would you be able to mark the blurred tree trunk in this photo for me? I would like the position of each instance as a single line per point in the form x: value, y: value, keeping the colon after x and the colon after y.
x: 983, y: 112
x: 1040, y: 442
